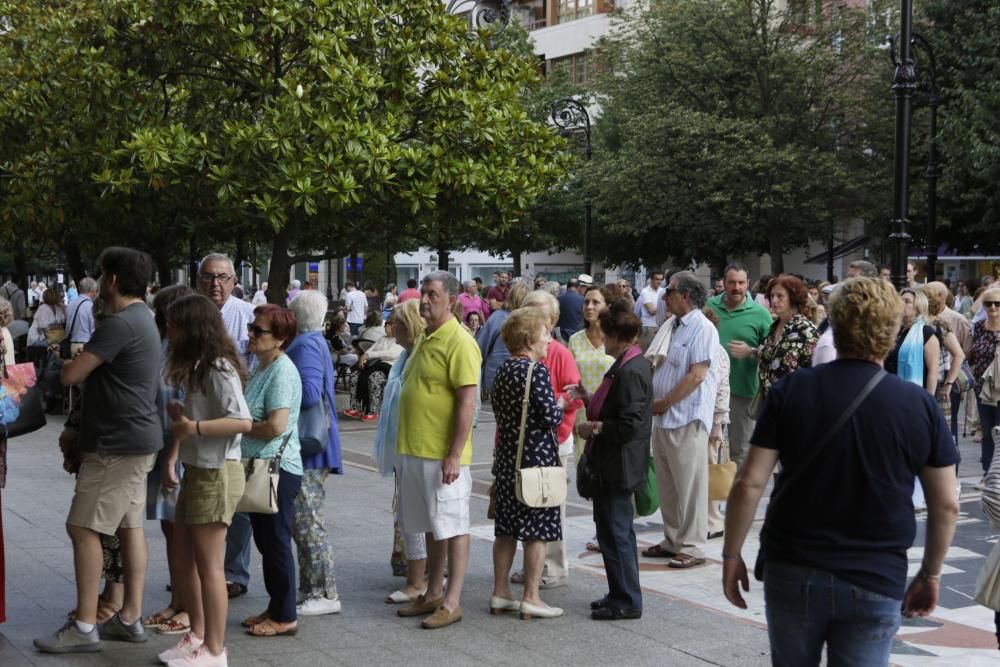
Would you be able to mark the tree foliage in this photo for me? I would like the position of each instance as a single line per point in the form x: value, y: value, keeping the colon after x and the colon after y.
x: 963, y: 34
x: 728, y: 128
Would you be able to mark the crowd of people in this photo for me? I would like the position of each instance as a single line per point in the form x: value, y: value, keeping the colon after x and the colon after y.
x: 843, y: 392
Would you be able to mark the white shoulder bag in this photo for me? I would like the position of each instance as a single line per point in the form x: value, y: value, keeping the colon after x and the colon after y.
x: 540, y: 486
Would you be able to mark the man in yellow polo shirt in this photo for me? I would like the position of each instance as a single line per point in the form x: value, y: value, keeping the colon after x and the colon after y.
x: 436, y: 404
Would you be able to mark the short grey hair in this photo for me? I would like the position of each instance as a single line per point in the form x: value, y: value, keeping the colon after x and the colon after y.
x: 310, y: 310
x: 466, y: 283
x: 448, y: 281
x: 689, y: 284
x: 552, y: 287
x: 868, y: 270
x: 296, y: 284
x: 218, y: 257
x: 87, y: 285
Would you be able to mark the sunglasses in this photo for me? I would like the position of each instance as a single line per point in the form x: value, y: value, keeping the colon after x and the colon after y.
x: 256, y: 331
x: 991, y: 304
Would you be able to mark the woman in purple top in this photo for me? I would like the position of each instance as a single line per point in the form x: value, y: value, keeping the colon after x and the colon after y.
x: 311, y: 355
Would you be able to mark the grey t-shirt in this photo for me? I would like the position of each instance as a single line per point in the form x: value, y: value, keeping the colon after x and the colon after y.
x: 118, y: 414
x: 223, y: 399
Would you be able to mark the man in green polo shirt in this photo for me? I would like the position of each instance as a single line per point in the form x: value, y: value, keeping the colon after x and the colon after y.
x: 741, y: 321
x: 436, y: 404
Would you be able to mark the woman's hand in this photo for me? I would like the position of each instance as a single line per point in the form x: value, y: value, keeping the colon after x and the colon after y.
x: 183, y: 427
x: 716, y: 433
x: 175, y: 408
x: 739, y: 350
x: 577, y: 392
x: 945, y: 391
x: 362, y: 359
x: 169, y: 478
x: 585, y: 430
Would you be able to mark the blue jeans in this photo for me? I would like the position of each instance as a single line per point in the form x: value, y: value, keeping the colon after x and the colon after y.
x: 807, y: 608
x: 238, y: 549
x: 613, y: 516
x: 987, y: 420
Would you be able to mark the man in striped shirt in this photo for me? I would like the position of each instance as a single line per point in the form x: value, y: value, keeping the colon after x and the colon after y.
x: 683, y: 407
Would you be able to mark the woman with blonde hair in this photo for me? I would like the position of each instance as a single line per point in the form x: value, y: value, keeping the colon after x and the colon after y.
x: 952, y: 356
x: 409, y: 554
x: 526, y: 334
x: 985, y: 339
x: 491, y: 344
x: 915, y: 357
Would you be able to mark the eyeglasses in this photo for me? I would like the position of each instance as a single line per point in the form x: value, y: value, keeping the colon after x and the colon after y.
x: 991, y: 304
x: 256, y: 331
x: 209, y: 278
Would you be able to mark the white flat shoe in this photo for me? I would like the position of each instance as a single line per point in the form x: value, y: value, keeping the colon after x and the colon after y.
x: 530, y: 611
x: 399, y: 597
x: 500, y: 605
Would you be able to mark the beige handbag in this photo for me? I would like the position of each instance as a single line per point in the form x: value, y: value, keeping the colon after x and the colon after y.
x: 261, y: 493
x: 541, y: 486
x: 988, y: 581
x: 990, y: 393
x: 721, y: 474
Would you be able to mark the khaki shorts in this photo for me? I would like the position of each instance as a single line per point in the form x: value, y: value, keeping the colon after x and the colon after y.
x: 210, y: 495
x: 110, y: 492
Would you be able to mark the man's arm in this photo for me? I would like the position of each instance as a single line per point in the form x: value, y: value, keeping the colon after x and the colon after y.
x: 741, y: 507
x: 942, y: 513
x: 465, y: 399
x: 79, y: 368
x: 694, y: 377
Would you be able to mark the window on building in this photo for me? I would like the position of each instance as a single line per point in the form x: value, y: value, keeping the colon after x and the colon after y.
x: 571, y: 10
x: 578, y: 67
x: 531, y: 13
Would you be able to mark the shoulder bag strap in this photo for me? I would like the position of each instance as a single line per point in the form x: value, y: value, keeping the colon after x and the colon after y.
x: 524, y: 415
x: 76, y: 313
x: 284, y: 443
x: 828, y: 436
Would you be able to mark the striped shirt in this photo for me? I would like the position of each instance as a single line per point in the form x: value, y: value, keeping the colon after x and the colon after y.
x: 694, y: 341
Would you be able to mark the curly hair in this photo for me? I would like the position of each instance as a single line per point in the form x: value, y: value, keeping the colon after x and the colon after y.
x: 523, y: 328
x: 619, y: 322
x: 198, y: 344
x: 798, y: 293
x: 866, y: 314
x: 6, y: 312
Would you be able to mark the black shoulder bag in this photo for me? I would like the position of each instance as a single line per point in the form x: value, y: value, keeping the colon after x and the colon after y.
x: 799, y: 472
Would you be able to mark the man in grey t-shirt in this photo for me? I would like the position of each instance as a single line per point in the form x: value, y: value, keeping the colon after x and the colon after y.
x: 120, y: 433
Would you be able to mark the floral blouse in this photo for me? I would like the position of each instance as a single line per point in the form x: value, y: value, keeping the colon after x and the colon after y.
x: 593, y: 362
x: 794, y: 350
x: 984, y: 347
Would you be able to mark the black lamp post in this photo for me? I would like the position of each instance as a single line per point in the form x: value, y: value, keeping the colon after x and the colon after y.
x: 571, y: 117
x: 904, y: 83
x: 491, y: 15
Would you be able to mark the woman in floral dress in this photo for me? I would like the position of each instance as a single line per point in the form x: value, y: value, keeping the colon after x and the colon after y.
x: 526, y: 335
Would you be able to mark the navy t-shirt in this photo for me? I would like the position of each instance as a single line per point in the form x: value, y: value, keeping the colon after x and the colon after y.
x: 851, y: 513
x: 570, y: 312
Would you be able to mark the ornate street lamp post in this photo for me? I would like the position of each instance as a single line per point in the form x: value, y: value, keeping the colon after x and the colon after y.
x: 904, y: 83
x: 491, y: 15
x: 571, y: 117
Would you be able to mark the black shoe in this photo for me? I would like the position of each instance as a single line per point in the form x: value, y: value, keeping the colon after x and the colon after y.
x: 599, y: 604
x: 712, y: 536
x: 614, y: 614
x: 235, y: 589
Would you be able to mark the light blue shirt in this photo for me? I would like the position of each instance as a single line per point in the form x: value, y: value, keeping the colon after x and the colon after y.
x: 80, y: 320
x: 693, y: 342
x: 384, y: 453
x: 236, y: 315
x: 272, y: 388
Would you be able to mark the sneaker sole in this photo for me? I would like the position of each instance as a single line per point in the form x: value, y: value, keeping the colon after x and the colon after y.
x: 82, y: 648
x: 317, y: 613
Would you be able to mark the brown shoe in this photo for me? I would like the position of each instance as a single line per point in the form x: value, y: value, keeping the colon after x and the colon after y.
x: 420, y: 607
x: 442, y: 618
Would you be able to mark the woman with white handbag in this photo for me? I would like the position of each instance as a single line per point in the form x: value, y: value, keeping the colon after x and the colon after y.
x: 526, y: 412
x: 274, y: 394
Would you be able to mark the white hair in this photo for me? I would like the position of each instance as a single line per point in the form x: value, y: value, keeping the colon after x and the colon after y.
x: 310, y: 310
x: 218, y: 257
x: 296, y: 284
x: 263, y: 285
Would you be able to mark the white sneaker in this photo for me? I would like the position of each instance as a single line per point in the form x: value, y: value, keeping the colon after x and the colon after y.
x: 185, y: 647
x: 318, y: 607
x: 202, y: 658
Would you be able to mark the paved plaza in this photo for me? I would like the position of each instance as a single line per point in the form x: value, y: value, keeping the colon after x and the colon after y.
x: 686, y: 620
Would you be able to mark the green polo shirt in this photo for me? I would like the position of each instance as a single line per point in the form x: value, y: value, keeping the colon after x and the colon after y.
x: 441, y: 362
x: 749, y: 323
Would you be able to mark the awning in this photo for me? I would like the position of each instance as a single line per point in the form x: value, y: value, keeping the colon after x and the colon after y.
x: 839, y: 251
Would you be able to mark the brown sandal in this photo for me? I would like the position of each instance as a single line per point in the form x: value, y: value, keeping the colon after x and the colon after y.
x: 684, y: 561
x: 159, y: 617
x: 656, y: 551
x: 251, y: 621
x: 270, y: 628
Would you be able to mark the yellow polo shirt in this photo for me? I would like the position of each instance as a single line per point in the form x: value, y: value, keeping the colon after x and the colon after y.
x: 441, y: 362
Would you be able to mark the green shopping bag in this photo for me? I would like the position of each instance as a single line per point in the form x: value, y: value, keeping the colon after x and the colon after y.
x: 647, y: 497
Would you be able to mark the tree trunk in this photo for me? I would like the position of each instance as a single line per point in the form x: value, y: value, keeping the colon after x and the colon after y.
x: 515, y: 256
x: 277, y: 274
x: 775, y: 244
x: 73, y: 260
x: 240, y: 256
